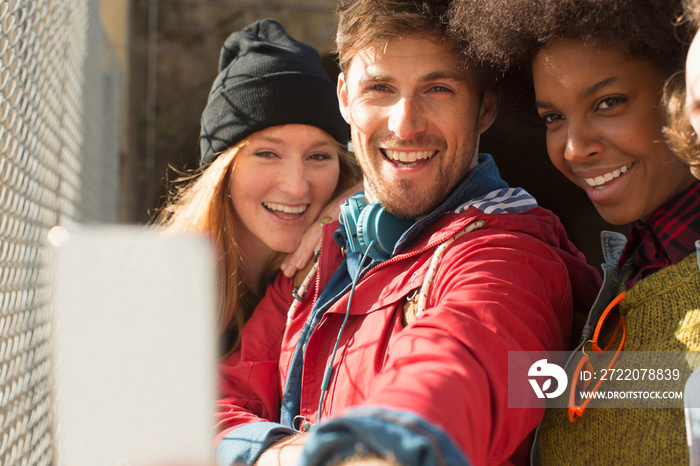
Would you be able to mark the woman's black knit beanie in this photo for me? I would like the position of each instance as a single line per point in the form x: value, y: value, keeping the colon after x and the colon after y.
x: 267, y: 78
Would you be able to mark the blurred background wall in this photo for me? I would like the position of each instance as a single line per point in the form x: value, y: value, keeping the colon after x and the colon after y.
x: 174, y: 51
x: 171, y: 54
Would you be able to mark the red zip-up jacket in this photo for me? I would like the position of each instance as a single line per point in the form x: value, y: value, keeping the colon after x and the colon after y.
x: 508, y: 286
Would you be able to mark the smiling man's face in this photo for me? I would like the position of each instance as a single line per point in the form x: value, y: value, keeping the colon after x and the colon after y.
x: 416, y: 117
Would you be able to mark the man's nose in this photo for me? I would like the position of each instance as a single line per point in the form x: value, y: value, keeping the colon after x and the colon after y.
x: 406, y: 118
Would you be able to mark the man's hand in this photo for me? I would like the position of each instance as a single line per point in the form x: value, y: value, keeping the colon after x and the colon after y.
x: 285, y: 452
x: 367, y: 462
x: 311, y: 239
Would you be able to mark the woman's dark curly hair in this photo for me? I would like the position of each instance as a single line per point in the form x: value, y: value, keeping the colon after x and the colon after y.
x: 508, y: 33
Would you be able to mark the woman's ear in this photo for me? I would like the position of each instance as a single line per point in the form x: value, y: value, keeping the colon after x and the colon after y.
x: 488, y: 112
x: 343, y: 98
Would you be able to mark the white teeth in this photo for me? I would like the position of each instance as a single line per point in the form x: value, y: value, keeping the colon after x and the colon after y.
x: 602, y: 179
x: 409, y: 157
x: 285, y: 208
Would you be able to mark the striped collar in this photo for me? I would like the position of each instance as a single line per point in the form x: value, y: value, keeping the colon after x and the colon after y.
x: 501, y: 201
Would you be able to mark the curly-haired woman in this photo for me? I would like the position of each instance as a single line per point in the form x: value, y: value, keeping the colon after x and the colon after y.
x: 598, y: 69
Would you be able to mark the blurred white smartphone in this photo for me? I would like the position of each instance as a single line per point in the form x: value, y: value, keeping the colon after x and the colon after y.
x: 134, y: 347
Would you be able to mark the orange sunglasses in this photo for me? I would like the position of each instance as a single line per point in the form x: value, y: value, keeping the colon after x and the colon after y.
x: 576, y: 407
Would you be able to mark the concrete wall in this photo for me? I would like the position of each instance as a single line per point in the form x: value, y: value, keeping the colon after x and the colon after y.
x: 173, y: 47
x: 115, y: 21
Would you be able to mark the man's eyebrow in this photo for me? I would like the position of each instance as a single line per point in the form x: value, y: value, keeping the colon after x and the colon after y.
x: 439, y: 74
x: 432, y: 76
x: 375, y: 78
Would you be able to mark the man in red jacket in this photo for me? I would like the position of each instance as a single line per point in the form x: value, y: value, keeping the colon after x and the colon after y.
x: 396, y: 346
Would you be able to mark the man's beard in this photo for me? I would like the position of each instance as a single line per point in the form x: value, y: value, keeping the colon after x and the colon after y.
x: 401, y: 199
x: 400, y: 196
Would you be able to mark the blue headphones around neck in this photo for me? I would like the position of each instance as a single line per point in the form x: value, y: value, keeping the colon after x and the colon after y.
x: 373, y: 232
x: 371, y: 225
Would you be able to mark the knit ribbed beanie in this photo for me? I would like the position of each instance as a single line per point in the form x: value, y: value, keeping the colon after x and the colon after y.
x: 267, y: 78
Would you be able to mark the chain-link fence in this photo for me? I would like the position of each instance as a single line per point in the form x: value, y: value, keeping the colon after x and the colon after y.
x: 59, y: 164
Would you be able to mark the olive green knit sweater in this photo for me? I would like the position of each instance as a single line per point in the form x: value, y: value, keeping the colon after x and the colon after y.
x: 662, y: 313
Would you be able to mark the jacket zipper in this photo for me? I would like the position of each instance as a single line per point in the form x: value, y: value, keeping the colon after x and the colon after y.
x: 387, y: 262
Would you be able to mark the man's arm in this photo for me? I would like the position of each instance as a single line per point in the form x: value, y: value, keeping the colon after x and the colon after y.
x: 493, y: 293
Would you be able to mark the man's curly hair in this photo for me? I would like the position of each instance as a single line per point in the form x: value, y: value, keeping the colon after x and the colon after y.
x: 364, y: 24
x: 370, y: 24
